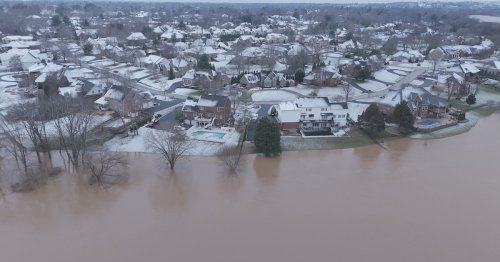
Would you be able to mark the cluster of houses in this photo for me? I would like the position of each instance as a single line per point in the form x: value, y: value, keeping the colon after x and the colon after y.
x: 173, y: 51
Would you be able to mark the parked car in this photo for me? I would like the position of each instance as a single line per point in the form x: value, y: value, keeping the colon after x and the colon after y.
x: 154, y: 121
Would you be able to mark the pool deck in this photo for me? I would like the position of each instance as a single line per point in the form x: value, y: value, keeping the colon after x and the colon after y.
x: 223, y: 139
x: 442, y: 123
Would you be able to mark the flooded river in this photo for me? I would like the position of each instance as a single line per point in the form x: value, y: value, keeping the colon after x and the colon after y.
x: 434, y: 200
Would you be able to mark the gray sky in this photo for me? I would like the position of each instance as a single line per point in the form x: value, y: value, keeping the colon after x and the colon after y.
x: 298, y: 1
x: 315, y: 1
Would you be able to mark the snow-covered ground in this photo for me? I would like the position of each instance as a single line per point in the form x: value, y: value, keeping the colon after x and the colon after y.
x: 356, y: 109
x: 330, y: 92
x: 486, y: 18
x: 386, y: 76
x: 159, y: 83
x: 272, y: 96
x: 184, y: 91
x: 373, y: 85
x: 138, y: 144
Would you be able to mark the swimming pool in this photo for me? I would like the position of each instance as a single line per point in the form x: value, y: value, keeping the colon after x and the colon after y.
x: 208, y: 134
x: 430, y: 122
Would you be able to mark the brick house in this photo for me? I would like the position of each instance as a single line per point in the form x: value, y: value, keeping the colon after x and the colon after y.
x: 207, y: 111
x: 426, y: 106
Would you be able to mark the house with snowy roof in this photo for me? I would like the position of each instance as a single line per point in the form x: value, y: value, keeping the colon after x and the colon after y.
x: 125, y: 101
x: 409, y: 56
x: 312, y: 113
x: 323, y: 76
x: 136, y: 39
x: 426, y: 105
x: 250, y: 81
x: 492, y: 67
x: 207, y: 110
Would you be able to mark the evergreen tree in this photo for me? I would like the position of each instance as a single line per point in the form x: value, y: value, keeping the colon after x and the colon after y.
x: 471, y: 99
x: 403, y: 117
x: 55, y: 20
x: 299, y: 76
x: 87, y: 48
x: 267, y: 137
x: 372, y: 120
x: 171, y: 74
x: 203, y: 62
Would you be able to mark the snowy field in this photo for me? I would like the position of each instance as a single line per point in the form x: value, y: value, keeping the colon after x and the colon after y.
x: 486, y: 18
x: 138, y: 144
x: 185, y: 91
x: 331, y: 92
x: 386, y: 76
x: 373, y: 85
x: 273, y: 96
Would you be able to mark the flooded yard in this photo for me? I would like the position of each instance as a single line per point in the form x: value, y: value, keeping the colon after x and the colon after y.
x: 417, y: 200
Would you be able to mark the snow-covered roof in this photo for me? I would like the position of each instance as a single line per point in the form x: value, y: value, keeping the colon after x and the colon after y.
x: 312, y: 102
x: 469, y: 68
x: 253, y: 52
x: 136, y: 36
x: 190, y: 74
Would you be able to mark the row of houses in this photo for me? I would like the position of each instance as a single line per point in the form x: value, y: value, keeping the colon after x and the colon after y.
x: 267, y: 79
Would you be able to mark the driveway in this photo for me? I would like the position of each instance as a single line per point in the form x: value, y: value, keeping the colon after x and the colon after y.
x: 253, y: 123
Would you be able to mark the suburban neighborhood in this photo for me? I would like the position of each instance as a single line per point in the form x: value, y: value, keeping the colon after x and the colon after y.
x: 213, y: 78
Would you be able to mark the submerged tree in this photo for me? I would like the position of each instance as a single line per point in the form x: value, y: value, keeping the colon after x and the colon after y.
x: 230, y: 156
x: 73, y: 123
x: 171, y: 145
x: 106, y: 168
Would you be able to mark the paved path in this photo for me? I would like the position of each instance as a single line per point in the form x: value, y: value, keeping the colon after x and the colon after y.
x: 407, y: 79
x: 355, y: 85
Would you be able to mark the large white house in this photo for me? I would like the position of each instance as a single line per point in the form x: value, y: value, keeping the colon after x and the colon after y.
x: 312, y: 113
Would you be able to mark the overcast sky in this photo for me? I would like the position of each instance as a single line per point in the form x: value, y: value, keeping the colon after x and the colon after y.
x: 301, y: 1
x: 313, y: 1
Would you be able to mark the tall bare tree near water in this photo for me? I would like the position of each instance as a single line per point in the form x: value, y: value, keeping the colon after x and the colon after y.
x: 172, y: 145
x: 230, y: 156
x: 105, y: 168
x: 15, y: 143
x: 29, y: 116
x: 73, y: 128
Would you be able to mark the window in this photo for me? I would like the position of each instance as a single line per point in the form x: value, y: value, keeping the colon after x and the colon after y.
x: 308, y: 109
x: 311, y: 115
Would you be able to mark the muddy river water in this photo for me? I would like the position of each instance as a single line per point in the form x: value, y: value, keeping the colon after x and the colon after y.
x: 419, y: 200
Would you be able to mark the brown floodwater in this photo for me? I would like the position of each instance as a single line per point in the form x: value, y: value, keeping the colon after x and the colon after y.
x: 420, y: 200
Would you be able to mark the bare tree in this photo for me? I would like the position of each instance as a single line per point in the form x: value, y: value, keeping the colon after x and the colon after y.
x: 34, y: 124
x: 171, y: 145
x: 298, y: 61
x: 73, y: 128
x: 15, y: 144
x: 436, y: 55
x: 15, y: 63
x: 230, y: 156
x: 347, y: 88
x: 246, y: 100
x: 106, y: 168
